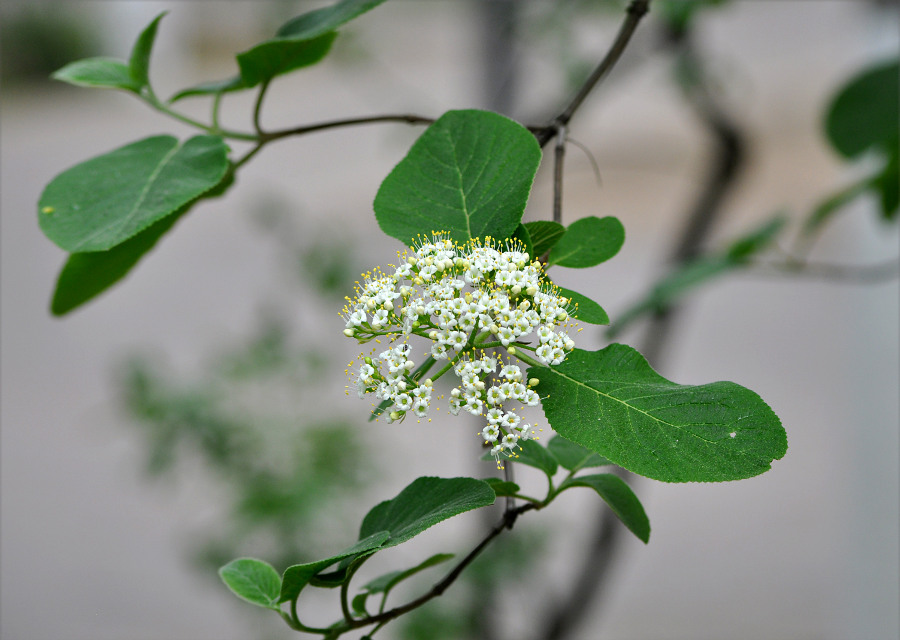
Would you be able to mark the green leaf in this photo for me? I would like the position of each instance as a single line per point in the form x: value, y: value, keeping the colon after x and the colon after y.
x: 887, y: 184
x: 139, y: 62
x: 588, y: 242
x: 501, y: 487
x: 532, y: 454
x: 86, y: 275
x: 588, y: 310
x: 320, y: 21
x: 103, y: 202
x: 424, y: 503
x: 101, y: 73
x: 619, y: 497
x: 214, y: 87
x: 521, y: 234
x: 825, y: 210
x: 865, y: 113
x: 253, y: 580
x: 279, y: 56
x: 544, y: 235
x: 613, y: 403
x: 573, y: 456
x: 468, y: 174
x: 386, y: 582
x: 296, y: 577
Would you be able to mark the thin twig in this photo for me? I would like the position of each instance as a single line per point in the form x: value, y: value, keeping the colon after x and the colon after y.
x: 559, y: 155
x: 408, y: 118
x: 635, y: 11
x: 506, y: 522
x: 863, y: 274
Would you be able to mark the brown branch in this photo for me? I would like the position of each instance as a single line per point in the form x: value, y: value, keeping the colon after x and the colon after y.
x: 506, y: 522
x: 408, y: 118
x: 635, y: 11
x: 859, y: 274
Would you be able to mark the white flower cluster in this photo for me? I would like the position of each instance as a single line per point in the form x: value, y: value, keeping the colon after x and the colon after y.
x: 470, y: 301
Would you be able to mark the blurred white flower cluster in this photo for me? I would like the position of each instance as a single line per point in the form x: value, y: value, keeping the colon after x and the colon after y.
x: 473, y: 302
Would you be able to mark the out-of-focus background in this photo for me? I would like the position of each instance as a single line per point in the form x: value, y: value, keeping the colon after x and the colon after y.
x: 196, y: 411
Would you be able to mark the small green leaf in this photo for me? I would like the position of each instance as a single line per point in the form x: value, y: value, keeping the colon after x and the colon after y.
x: 588, y: 310
x: 612, y: 402
x: 573, y: 456
x: 281, y: 55
x: 386, y: 582
x: 234, y: 83
x: 320, y: 21
x: 544, y: 235
x: 825, y: 210
x: 619, y: 497
x: 532, y: 454
x: 253, y: 580
x: 501, y: 487
x: 424, y: 503
x: 521, y: 234
x: 468, y: 174
x: 295, y: 578
x: 588, y: 242
x: 865, y: 113
x: 887, y: 184
x: 139, y: 62
x: 103, y: 202
x: 101, y: 73
x: 358, y: 604
x: 759, y: 239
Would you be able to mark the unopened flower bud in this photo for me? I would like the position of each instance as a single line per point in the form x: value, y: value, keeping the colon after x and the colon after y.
x: 349, y: 333
x: 533, y: 382
x: 512, y: 351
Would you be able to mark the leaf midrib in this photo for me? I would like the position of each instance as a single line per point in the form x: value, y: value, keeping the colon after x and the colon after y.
x: 140, y: 200
x: 629, y: 406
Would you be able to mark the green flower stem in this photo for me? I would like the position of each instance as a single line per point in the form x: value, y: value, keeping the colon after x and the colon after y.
x: 294, y: 622
x: 257, y: 109
x: 150, y: 98
x: 526, y: 359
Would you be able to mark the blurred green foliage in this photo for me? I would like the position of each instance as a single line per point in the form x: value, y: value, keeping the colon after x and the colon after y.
x: 39, y: 37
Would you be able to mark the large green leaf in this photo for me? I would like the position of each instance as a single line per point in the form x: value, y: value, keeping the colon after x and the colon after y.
x: 423, y: 504
x: 100, y: 73
x: 619, y: 497
x: 866, y: 111
x: 296, y: 577
x: 573, y: 456
x: 588, y: 310
x: 468, y: 174
x: 103, y: 202
x: 321, y: 21
x: 279, y: 56
x: 139, y: 61
x: 253, y: 580
x: 588, y: 242
x: 86, y: 275
x: 613, y: 403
